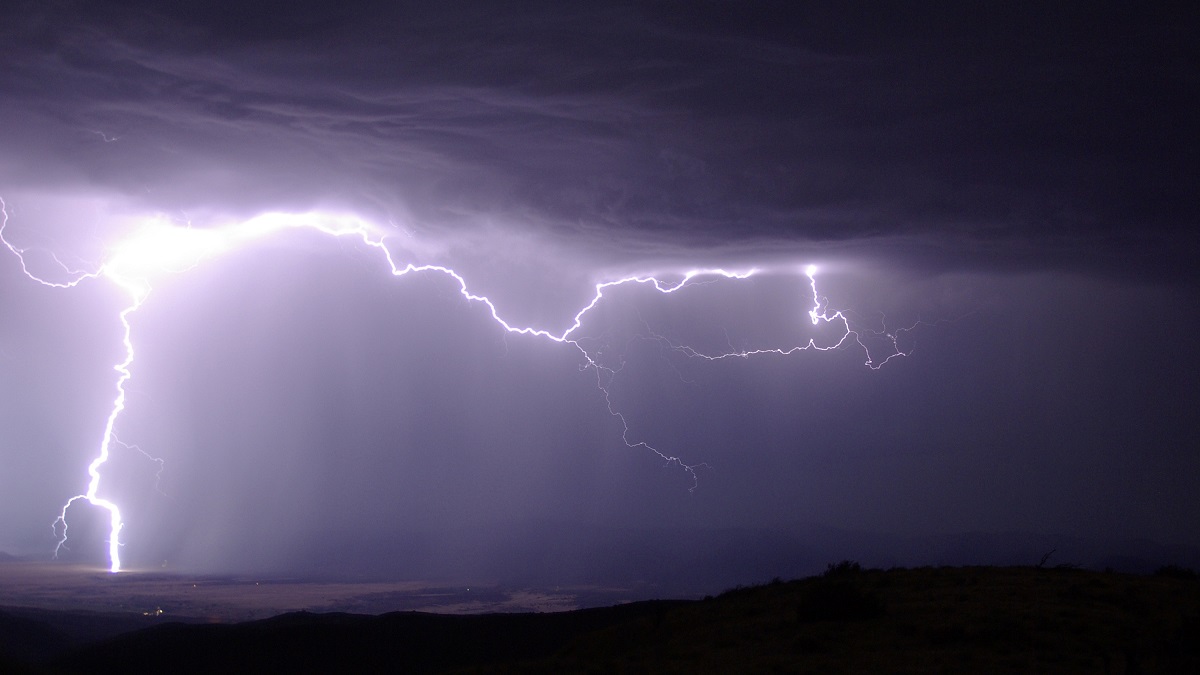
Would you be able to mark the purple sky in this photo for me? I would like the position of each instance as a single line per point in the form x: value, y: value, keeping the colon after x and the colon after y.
x: 1022, y: 182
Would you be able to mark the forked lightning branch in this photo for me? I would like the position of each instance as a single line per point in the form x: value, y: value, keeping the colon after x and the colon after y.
x: 159, y: 246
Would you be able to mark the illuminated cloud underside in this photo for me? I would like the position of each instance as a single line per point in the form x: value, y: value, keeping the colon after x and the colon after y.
x: 159, y: 247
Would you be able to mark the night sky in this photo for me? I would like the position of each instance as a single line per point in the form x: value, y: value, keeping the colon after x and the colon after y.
x: 1017, y: 186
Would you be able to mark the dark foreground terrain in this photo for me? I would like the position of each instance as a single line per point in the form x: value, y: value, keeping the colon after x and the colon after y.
x: 970, y: 619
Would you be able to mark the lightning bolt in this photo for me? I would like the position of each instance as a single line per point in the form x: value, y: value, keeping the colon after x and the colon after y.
x: 160, y: 245
x: 818, y: 314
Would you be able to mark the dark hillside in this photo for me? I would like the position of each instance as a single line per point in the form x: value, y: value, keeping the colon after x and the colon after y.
x: 398, y: 642
x: 976, y: 619
x: 972, y: 619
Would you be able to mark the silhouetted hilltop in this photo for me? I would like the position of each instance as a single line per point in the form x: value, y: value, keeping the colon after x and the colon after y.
x: 26, y: 639
x: 969, y: 619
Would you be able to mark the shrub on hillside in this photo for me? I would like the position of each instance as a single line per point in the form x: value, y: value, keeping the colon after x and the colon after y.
x: 838, y: 596
x: 844, y: 568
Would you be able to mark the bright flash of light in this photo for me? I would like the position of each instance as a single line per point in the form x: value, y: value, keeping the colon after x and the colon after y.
x: 160, y: 246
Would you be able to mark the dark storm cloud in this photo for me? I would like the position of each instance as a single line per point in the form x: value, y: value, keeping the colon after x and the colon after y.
x: 982, y: 136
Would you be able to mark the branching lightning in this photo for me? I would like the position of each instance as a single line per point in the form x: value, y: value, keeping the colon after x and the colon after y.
x: 160, y: 245
x: 818, y: 314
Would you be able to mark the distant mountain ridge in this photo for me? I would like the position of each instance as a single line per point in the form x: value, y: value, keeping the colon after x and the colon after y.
x: 693, y: 562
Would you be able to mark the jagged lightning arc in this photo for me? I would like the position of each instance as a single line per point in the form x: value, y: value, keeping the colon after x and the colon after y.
x: 160, y: 245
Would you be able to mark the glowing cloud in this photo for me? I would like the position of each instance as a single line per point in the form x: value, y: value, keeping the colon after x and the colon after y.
x: 160, y: 246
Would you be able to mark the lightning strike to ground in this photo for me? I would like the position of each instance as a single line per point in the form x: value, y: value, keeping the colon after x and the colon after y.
x: 162, y: 246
